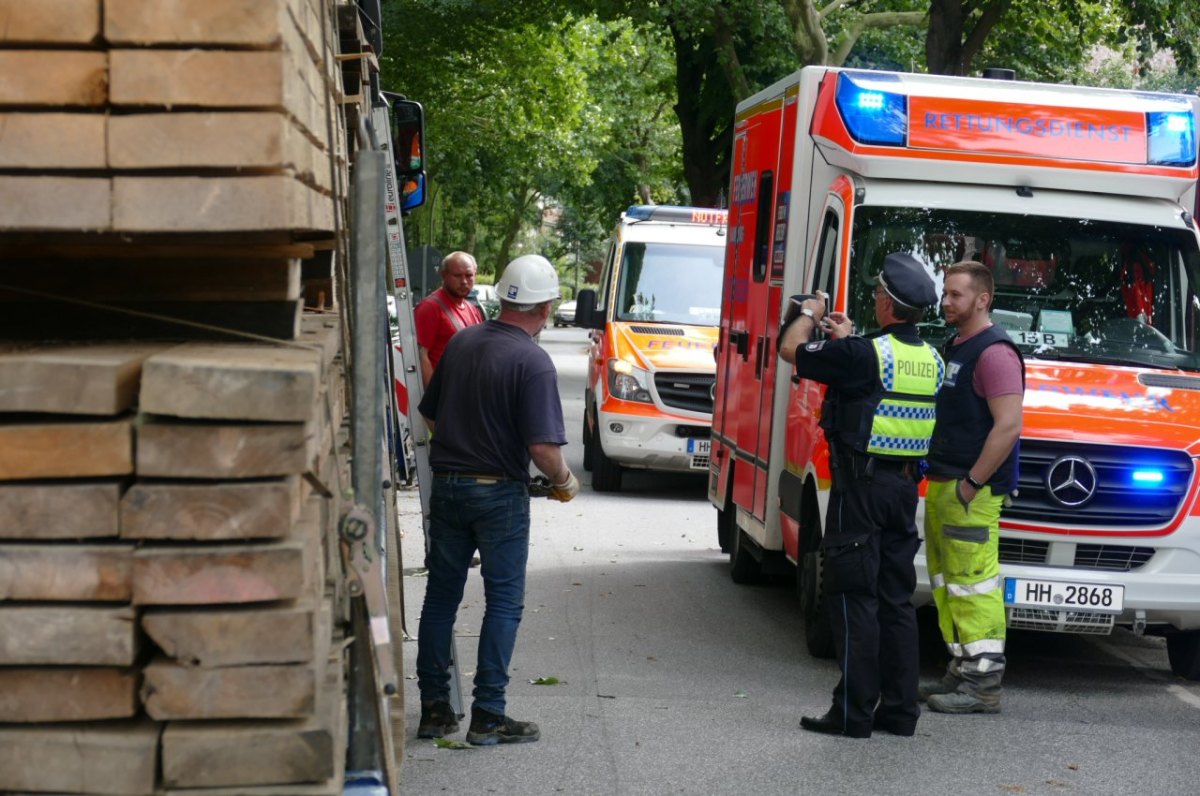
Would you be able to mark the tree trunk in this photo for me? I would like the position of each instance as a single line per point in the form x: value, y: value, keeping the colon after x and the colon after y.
x: 706, y: 131
x: 943, y: 42
x: 950, y: 48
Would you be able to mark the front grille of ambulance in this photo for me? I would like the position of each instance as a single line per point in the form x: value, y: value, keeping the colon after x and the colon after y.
x: 1110, y: 557
x: 689, y: 391
x: 1118, y: 500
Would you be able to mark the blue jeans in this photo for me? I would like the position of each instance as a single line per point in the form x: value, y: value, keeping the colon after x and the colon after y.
x: 466, y: 516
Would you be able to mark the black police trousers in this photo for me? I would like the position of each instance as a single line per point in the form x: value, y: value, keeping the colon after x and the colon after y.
x: 868, y: 580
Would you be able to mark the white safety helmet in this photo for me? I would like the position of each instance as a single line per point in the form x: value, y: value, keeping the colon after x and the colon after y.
x: 529, y: 279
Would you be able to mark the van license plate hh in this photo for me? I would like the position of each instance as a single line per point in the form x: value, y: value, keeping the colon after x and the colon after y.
x: 700, y: 447
x: 1056, y: 595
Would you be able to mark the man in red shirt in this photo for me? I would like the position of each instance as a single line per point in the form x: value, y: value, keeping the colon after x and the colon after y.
x: 446, y: 310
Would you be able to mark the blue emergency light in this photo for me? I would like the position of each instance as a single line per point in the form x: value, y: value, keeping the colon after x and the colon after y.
x: 1171, y: 138
x: 1147, y: 477
x: 873, y: 114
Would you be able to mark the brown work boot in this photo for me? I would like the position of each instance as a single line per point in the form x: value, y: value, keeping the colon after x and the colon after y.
x: 963, y: 702
x: 489, y: 728
x: 437, y: 720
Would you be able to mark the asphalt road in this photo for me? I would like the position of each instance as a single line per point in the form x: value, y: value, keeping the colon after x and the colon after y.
x: 676, y: 680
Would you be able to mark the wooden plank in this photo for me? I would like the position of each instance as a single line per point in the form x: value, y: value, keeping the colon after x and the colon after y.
x: 248, y: 23
x: 175, y: 279
x: 54, y: 203
x: 67, y: 694
x: 220, y: 79
x: 232, y: 382
x: 72, y: 379
x: 79, y: 449
x: 234, y: 510
x: 51, y: 140
x: 218, y: 204
x: 60, y: 78
x: 56, y: 573
x: 223, y: 450
x: 223, y: 574
x: 171, y: 691
x: 215, y: 140
x: 237, y: 636
x: 63, y: 510
x: 119, y: 758
x: 86, y: 635
x: 26, y: 246
x: 49, y: 21
x: 149, y: 320
x: 247, y: 754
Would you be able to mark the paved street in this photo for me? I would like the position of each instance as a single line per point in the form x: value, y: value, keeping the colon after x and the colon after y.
x: 675, y: 680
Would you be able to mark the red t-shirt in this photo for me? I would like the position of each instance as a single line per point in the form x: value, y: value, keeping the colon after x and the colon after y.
x: 435, y: 318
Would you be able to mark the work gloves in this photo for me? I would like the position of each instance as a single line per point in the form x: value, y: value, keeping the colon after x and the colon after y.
x: 566, y: 490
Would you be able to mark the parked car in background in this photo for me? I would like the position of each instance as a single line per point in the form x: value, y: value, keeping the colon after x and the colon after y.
x: 485, y: 297
x: 564, y: 314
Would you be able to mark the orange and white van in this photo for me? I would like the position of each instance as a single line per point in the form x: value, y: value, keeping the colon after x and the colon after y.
x: 649, y: 395
x: 1081, y: 201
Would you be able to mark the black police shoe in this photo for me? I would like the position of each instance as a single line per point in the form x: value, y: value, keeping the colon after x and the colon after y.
x: 831, y: 724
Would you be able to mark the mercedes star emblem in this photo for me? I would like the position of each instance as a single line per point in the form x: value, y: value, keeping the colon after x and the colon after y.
x: 1071, y: 481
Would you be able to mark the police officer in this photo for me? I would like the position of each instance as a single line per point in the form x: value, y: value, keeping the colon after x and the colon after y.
x: 878, y: 417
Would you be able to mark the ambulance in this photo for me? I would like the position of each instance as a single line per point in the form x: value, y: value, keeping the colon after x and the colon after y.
x: 1082, y: 201
x: 649, y: 395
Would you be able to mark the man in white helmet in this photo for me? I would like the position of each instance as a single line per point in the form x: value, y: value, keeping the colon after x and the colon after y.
x: 494, y: 399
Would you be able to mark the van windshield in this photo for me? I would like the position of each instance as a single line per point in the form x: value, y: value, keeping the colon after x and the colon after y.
x: 671, y: 283
x: 1069, y: 289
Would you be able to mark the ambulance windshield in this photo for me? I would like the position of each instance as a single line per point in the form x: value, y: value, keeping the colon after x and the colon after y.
x: 671, y: 283
x: 1069, y: 289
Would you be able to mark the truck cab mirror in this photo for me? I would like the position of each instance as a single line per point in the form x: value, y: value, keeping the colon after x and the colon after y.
x: 585, y: 310
x: 408, y: 151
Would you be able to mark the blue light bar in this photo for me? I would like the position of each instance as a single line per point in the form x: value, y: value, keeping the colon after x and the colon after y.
x: 1171, y: 138
x: 1145, y: 477
x: 872, y: 113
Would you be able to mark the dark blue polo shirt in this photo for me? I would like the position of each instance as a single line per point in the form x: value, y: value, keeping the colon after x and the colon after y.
x: 493, y: 394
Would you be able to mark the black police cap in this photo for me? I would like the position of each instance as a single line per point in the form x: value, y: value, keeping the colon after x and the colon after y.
x: 906, y: 280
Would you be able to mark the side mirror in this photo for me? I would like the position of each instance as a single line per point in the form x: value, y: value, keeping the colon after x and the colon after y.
x: 585, y: 310
x: 408, y: 151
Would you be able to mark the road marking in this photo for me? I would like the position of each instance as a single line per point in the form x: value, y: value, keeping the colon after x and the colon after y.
x: 1182, y: 693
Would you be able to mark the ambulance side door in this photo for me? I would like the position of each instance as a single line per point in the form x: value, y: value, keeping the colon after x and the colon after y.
x: 751, y: 219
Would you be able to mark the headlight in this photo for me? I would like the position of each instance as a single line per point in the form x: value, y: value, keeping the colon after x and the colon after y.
x: 627, y: 382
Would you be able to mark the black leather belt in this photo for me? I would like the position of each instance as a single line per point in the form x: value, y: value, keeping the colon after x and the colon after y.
x: 479, y: 477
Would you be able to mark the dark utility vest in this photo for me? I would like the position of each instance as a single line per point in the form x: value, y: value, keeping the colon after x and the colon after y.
x: 963, y: 418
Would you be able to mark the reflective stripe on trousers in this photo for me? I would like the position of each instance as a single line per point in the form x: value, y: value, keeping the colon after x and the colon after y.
x: 962, y: 554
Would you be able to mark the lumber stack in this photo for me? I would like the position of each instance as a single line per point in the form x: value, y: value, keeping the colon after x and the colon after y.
x: 172, y: 606
x: 170, y: 590
x: 179, y: 159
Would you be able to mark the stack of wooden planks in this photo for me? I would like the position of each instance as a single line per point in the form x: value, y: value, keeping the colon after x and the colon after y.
x: 173, y: 182
x: 169, y: 574
x: 178, y: 159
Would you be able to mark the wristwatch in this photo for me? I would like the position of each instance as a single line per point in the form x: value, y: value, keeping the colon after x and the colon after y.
x: 970, y: 479
x: 808, y: 312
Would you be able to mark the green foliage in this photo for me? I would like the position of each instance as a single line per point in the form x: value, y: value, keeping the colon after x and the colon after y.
x: 547, y: 118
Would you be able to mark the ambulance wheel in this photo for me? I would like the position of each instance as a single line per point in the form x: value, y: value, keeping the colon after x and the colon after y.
x: 1183, y: 651
x: 606, y: 474
x: 589, y: 446
x: 818, y: 634
x: 726, y: 526
x: 743, y: 566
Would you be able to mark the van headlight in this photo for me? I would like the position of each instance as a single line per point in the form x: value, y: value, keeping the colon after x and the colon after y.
x: 628, y: 382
